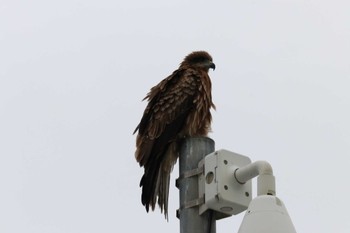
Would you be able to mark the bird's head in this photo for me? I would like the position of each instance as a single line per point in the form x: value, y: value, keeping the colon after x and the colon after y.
x: 199, y: 59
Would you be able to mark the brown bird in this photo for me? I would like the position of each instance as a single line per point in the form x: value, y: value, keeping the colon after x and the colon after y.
x: 178, y: 107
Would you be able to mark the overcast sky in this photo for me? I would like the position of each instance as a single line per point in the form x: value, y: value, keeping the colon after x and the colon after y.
x: 73, y: 73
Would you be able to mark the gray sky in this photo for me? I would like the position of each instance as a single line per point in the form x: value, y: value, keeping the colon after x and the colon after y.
x: 73, y: 73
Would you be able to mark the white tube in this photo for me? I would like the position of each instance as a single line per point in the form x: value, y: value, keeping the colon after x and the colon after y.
x: 266, y: 180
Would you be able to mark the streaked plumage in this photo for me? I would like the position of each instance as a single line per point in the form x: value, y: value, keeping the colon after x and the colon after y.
x: 179, y: 106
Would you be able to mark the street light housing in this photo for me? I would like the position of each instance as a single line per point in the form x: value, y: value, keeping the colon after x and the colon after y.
x: 225, y: 185
x: 266, y: 214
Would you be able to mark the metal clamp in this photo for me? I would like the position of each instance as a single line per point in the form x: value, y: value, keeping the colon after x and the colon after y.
x: 190, y: 204
x: 188, y: 174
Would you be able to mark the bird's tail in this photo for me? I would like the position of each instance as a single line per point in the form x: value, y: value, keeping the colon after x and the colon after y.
x: 155, y: 182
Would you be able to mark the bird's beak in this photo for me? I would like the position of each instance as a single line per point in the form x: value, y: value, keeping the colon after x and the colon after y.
x: 212, y: 65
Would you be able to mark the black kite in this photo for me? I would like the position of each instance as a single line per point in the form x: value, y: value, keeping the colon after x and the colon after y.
x: 178, y: 107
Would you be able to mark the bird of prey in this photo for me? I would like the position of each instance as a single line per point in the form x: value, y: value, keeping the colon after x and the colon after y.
x: 179, y: 106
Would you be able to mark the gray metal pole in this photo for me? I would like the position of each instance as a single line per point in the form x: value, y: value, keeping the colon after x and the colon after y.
x: 192, y: 151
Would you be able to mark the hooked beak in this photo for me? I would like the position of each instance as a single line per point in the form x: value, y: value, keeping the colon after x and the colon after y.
x: 212, y: 65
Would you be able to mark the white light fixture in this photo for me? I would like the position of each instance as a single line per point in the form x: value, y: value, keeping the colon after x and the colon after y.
x: 266, y: 214
x: 226, y: 184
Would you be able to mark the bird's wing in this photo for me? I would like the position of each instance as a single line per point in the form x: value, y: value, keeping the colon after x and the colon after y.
x: 169, y: 104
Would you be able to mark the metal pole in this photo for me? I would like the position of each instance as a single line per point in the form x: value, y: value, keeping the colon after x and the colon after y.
x: 192, y: 151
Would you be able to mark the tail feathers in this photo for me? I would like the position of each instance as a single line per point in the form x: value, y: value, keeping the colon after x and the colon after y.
x: 163, y: 192
x: 155, y: 188
x: 155, y: 182
x: 148, y: 183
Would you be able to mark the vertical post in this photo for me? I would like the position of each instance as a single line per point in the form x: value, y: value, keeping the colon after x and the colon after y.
x: 192, y: 151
